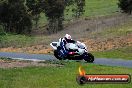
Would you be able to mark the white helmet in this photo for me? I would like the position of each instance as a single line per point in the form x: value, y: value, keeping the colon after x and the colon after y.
x: 67, y: 36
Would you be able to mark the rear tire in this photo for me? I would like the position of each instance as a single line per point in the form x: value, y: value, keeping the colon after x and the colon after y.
x: 89, y: 58
x: 56, y: 54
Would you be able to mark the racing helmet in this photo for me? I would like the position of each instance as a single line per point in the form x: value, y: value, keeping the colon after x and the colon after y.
x: 67, y: 37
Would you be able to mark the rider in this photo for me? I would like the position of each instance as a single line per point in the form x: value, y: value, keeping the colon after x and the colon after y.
x: 67, y: 39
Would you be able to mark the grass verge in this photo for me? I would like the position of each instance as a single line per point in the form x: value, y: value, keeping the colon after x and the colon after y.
x: 114, y: 31
x: 11, y: 40
x: 57, y: 77
x: 121, y: 53
x: 7, y: 40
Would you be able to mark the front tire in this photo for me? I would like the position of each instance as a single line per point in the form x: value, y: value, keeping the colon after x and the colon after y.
x: 89, y: 57
x: 56, y: 54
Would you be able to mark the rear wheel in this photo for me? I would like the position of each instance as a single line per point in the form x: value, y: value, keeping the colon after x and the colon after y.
x: 56, y: 54
x: 89, y: 57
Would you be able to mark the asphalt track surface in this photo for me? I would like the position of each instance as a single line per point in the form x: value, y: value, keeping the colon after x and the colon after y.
x: 42, y: 57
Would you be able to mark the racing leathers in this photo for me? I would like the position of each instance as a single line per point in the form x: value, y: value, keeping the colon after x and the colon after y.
x: 64, y: 52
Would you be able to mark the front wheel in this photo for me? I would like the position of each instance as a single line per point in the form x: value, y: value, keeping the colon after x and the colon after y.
x: 56, y: 54
x: 89, y: 57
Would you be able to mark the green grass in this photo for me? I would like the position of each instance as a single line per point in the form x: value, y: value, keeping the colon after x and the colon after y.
x: 101, y: 7
x: 15, y: 40
x: 12, y: 40
x: 57, y: 77
x: 115, y: 31
x: 121, y: 53
x: 93, y: 8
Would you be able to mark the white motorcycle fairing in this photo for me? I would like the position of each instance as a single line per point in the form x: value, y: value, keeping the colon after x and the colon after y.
x: 72, y: 46
x: 54, y: 45
x: 77, y: 51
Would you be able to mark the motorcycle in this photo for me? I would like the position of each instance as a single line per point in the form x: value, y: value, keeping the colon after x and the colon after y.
x: 77, y: 51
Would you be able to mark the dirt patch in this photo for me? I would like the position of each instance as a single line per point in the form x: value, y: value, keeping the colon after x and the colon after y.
x: 36, y: 49
x: 20, y: 64
x: 108, y: 44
